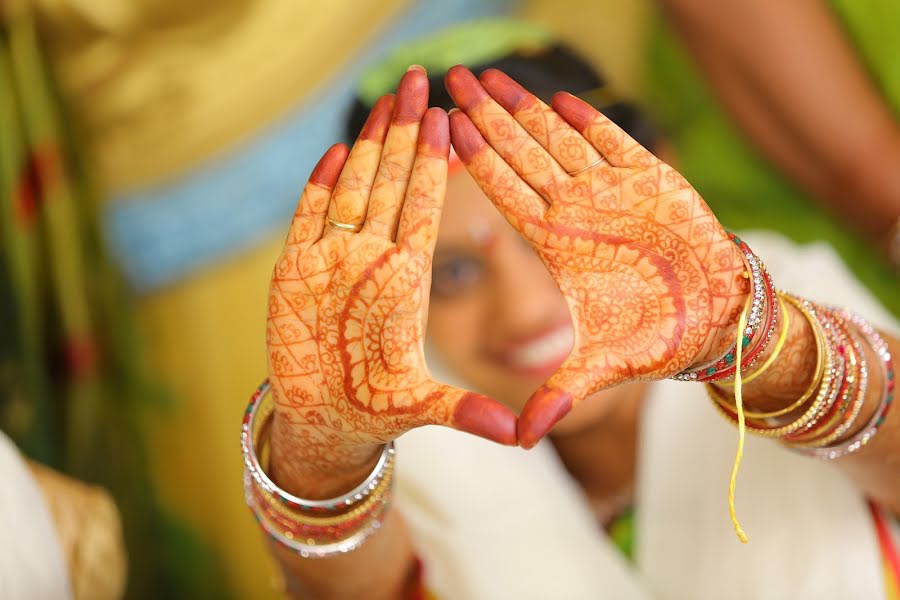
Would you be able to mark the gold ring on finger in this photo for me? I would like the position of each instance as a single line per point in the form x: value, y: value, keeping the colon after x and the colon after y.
x: 344, y: 226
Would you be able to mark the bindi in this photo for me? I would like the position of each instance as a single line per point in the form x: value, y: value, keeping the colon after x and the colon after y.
x: 482, y: 234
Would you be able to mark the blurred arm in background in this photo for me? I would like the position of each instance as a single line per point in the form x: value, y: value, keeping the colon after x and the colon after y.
x: 790, y: 77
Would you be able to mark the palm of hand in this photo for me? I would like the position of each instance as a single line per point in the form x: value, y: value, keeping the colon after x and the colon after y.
x: 349, y: 296
x: 345, y: 338
x: 645, y: 269
x: 652, y: 281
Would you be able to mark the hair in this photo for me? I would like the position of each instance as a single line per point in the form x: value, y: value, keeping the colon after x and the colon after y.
x: 543, y: 73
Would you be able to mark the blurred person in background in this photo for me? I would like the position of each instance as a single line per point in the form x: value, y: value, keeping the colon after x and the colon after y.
x: 128, y: 384
x: 175, y: 207
x: 71, y: 378
x: 61, y: 538
x: 779, y: 111
x: 633, y: 472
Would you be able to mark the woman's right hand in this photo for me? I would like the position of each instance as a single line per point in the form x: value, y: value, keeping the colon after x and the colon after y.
x: 347, y: 310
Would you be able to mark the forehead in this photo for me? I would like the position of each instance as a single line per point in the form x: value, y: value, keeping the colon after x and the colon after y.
x: 465, y: 206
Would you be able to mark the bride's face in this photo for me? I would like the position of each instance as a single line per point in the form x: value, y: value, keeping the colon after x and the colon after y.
x: 496, y: 317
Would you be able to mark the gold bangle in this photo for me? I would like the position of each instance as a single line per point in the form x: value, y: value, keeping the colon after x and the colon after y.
x: 374, y: 498
x: 369, y: 505
x: 812, y: 429
x: 822, y: 351
x: 779, y: 344
x: 310, y: 528
x: 375, y: 495
x: 856, y: 386
x: 822, y: 382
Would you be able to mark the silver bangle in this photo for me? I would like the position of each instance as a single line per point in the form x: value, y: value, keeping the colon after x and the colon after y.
x: 865, y: 435
x: 258, y: 416
x: 306, y: 550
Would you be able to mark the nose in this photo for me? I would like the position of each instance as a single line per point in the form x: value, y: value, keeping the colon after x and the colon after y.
x: 524, y: 295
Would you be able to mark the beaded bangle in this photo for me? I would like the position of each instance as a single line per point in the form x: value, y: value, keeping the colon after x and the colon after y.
x: 779, y: 345
x: 314, y: 532
x: 256, y: 418
x: 267, y: 502
x: 847, y: 387
x: 822, y: 357
x: 865, y: 435
x: 317, y: 537
x: 841, y: 372
x: 861, y: 391
x: 762, y: 294
x: 814, y: 412
x: 763, y: 339
x: 823, y: 382
x: 807, y: 394
x: 307, y: 550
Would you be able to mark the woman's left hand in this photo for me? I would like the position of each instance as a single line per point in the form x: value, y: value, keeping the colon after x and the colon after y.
x: 653, y: 282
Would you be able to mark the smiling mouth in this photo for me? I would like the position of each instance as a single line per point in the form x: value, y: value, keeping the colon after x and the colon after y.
x: 540, y: 356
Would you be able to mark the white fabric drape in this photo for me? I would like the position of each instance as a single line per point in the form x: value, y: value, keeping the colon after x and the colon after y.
x: 493, y: 522
x: 31, y: 560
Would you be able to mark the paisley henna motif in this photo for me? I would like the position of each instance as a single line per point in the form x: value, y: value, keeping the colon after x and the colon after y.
x: 652, y: 281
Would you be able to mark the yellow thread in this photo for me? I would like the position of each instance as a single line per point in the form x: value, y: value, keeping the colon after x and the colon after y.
x: 782, y: 338
x: 742, y: 425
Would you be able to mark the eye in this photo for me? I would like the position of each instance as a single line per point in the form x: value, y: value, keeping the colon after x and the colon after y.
x: 455, y: 276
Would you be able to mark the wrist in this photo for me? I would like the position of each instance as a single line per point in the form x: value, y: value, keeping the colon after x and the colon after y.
x: 729, y: 290
x: 792, y: 372
x: 305, y: 463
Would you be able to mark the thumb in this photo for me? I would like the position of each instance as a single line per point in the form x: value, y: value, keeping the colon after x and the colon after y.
x: 476, y: 414
x: 573, y: 381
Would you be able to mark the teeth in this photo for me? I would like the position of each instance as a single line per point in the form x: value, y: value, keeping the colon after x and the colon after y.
x: 539, y: 352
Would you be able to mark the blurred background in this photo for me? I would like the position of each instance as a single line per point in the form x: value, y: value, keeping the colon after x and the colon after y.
x: 152, y: 152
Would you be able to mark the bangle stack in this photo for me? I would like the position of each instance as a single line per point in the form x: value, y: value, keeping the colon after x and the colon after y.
x: 817, y: 421
x: 761, y: 322
x: 311, y: 528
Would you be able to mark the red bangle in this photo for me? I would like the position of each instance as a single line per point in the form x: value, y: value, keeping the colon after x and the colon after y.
x: 762, y: 295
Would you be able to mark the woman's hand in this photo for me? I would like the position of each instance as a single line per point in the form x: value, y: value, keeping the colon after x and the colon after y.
x: 347, y: 309
x: 653, y: 283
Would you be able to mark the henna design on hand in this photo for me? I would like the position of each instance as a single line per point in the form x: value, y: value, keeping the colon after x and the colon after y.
x: 346, y: 311
x: 652, y: 281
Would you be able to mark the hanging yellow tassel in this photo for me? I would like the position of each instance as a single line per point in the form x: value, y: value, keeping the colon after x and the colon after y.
x: 742, y: 425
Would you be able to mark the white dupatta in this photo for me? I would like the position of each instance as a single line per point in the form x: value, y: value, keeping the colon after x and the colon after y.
x: 499, y: 523
x: 31, y: 560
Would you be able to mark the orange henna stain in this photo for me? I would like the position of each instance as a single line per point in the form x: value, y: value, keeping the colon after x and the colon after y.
x: 412, y: 98
x: 379, y: 120
x: 664, y: 267
x: 434, y: 133
x: 546, y: 407
x: 350, y: 393
x: 467, y: 140
x: 464, y: 88
x: 485, y: 417
x: 328, y: 169
x: 508, y: 94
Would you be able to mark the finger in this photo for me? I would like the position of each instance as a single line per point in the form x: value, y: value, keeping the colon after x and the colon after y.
x: 424, y: 200
x: 351, y: 194
x: 521, y: 151
x: 309, y: 218
x: 546, y: 407
x: 583, y: 373
x: 474, y: 413
x: 609, y: 139
x: 551, y: 131
x: 398, y: 155
x: 515, y: 199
